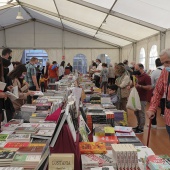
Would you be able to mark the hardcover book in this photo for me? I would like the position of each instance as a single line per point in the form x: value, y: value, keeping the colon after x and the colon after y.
x: 61, y: 161
x: 92, y: 147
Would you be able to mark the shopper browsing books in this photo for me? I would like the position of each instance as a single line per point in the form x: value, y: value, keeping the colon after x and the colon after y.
x: 17, y: 77
x: 104, y: 77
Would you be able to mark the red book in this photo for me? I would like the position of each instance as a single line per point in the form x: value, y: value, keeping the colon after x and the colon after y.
x: 16, y: 144
x: 108, y: 140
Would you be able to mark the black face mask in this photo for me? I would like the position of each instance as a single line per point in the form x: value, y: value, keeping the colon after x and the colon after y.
x: 6, y: 71
x: 136, y: 72
x: 5, y: 62
x: 9, y: 58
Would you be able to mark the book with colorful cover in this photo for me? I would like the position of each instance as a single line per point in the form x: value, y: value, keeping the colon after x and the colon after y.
x: 18, y: 137
x: 27, y: 158
x: 37, y: 144
x: 26, y: 130
x: 92, y: 147
x: 28, y: 125
x: 6, y: 155
x: 3, y: 137
x: 128, y: 139
x: 97, y: 160
x: 32, y: 150
x: 155, y: 162
x: 123, y: 129
x: 109, y: 131
x: 108, y: 140
x: 16, y: 144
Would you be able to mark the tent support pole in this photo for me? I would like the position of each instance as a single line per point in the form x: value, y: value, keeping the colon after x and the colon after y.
x: 162, y: 40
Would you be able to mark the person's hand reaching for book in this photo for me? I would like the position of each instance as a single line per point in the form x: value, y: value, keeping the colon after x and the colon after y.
x: 10, y: 88
x: 30, y: 93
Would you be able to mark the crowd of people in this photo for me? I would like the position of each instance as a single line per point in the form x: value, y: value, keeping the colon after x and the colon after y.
x: 28, y: 77
x: 116, y: 81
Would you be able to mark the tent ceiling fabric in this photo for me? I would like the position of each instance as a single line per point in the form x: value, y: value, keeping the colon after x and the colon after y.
x: 87, y: 16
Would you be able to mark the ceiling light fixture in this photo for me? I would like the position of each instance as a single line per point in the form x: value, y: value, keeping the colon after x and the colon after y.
x: 19, y: 16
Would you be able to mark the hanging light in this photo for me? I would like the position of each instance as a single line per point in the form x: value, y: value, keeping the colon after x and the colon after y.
x: 19, y: 16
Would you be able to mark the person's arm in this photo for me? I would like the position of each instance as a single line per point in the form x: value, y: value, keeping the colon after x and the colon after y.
x: 3, y: 95
x: 148, y: 85
x: 125, y: 82
x: 158, y: 93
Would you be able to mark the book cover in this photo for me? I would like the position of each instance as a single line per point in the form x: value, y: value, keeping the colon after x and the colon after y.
x: 123, y: 129
x: 18, y: 137
x: 16, y: 144
x: 45, y: 133
x: 131, y: 134
x: 92, y: 147
x: 103, y: 168
x: 6, y: 155
x: 2, y: 86
x: 38, y: 93
x: 128, y: 139
x: 61, y: 161
x: 109, y: 131
x: 97, y: 160
x: 3, y: 137
x: 31, y: 150
x: 28, y: 129
x: 27, y: 158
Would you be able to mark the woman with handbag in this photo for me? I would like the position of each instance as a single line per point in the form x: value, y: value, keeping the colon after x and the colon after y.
x: 123, y: 81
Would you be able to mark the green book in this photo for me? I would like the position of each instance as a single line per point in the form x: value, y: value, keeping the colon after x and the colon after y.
x: 20, y: 157
x: 3, y: 137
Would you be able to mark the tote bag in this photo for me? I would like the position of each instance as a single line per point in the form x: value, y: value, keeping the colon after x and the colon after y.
x: 133, y: 100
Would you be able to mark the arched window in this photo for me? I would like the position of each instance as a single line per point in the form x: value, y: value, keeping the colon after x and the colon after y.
x: 152, y: 57
x: 104, y: 58
x: 80, y: 63
x: 142, y: 56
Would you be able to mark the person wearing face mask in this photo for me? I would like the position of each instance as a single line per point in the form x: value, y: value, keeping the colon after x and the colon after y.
x: 143, y: 85
x: 17, y: 77
x: 97, y: 72
x: 7, y: 54
x: 162, y: 86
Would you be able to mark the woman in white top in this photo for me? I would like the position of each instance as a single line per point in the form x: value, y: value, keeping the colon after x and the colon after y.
x: 61, y: 70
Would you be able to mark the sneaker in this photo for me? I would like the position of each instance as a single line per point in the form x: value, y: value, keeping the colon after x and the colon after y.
x: 135, y: 128
x: 139, y: 131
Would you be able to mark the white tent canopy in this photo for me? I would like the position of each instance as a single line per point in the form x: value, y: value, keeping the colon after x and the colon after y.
x: 126, y: 21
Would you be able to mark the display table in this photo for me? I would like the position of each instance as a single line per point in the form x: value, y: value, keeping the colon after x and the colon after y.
x: 66, y: 144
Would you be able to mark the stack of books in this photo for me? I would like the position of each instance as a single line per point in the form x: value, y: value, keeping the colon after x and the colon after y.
x: 124, y: 131
x: 125, y: 156
x: 38, y: 116
x: 44, y: 134
x: 18, y: 138
x: 11, y: 125
x: 6, y: 157
x: 28, y: 108
x: 26, y: 130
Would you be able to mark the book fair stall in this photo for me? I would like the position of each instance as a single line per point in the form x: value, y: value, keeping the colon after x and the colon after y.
x: 73, y: 126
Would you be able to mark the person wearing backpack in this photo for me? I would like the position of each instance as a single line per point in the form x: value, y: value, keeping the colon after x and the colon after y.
x: 154, y: 77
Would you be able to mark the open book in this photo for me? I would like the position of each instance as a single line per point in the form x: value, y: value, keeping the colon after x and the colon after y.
x: 14, y: 94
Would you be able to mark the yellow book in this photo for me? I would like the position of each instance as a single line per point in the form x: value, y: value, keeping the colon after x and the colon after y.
x: 109, y: 130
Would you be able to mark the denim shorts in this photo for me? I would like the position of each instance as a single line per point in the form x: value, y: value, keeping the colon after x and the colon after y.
x: 168, y: 129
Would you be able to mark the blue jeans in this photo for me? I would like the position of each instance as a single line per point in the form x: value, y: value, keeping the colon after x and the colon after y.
x: 168, y: 129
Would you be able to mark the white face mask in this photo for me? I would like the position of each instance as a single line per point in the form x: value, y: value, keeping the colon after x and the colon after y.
x: 97, y: 63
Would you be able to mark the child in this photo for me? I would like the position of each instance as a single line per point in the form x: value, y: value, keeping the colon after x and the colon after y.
x: 104, y: 77
x: 42, y: 83
x: 113, y: 94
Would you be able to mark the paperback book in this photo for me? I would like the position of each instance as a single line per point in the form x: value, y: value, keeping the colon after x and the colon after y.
x: 18, y: 138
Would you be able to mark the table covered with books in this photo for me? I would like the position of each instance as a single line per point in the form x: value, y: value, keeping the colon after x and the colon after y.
x: 73, y: 126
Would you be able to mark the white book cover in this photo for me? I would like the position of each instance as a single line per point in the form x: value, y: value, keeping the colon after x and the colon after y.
x: 18, y: 136
x: 15, y: 91
x: 11, y: 168
x: 28, y: 125
x: 47, y: 125
x: 125, y: 134
x: 11, y: 95
x: 2, y: 144
x: 38, y: 93
x: 2, y: 86
x: 58, y: 128
x: 7, y: 132
x: 33, y: 158
x: 105, y: 100
x: 45, y: 133
x: 70, y: 123
x: 123, y: 129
